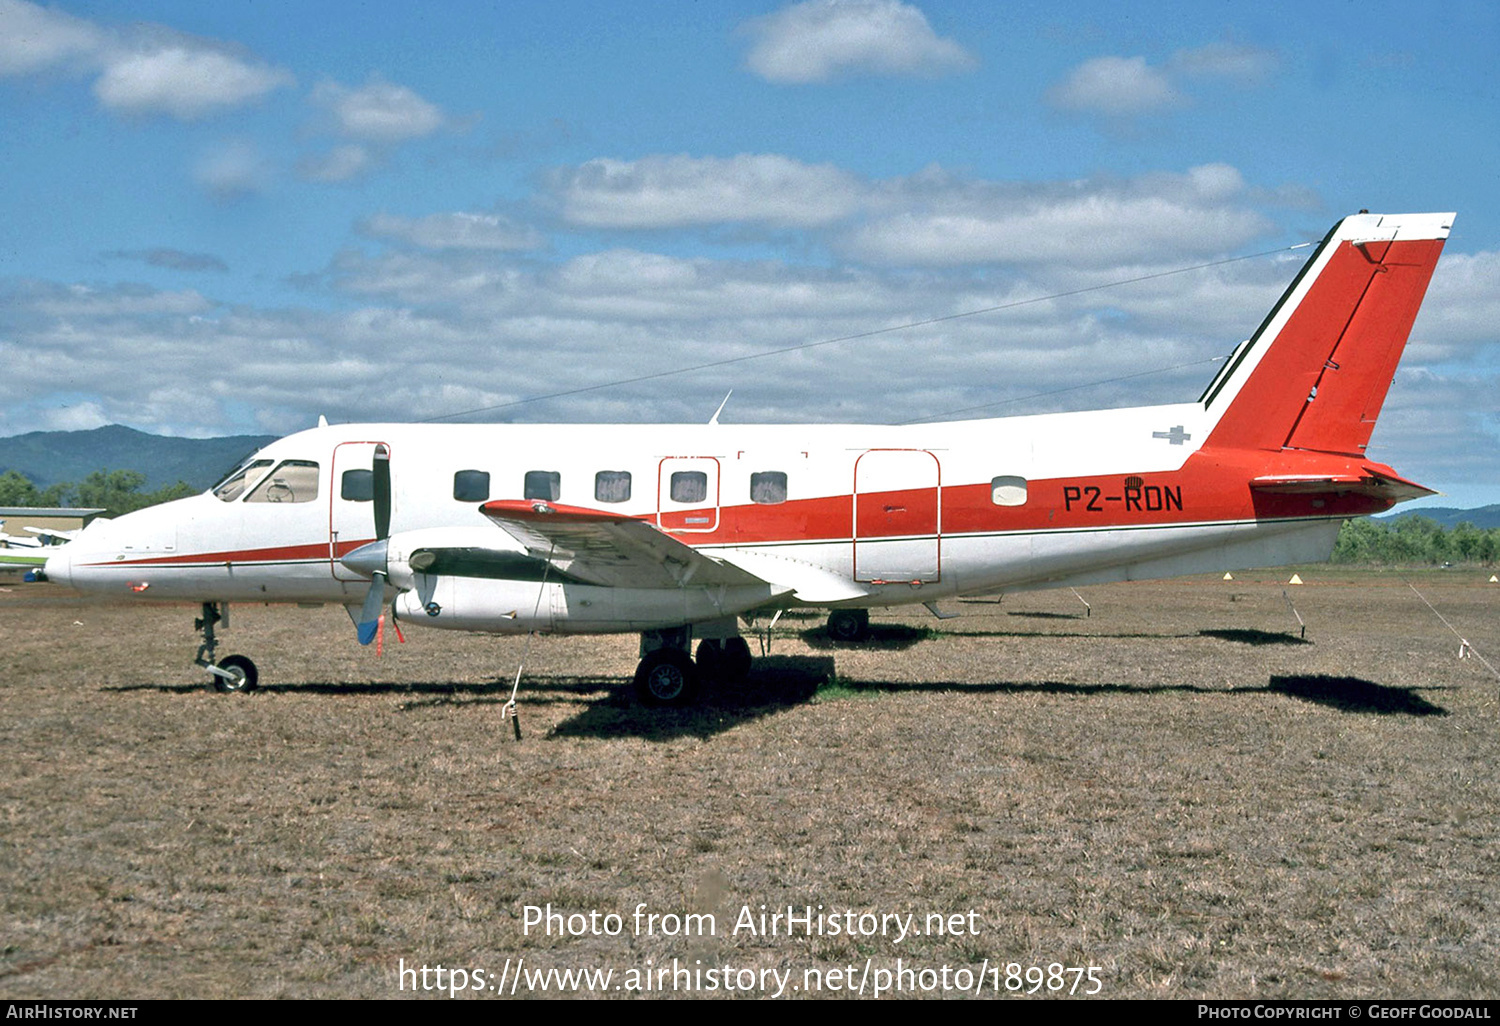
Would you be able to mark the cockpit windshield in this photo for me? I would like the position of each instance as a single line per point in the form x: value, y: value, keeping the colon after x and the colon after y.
x: 239, y: 479
x: 291, y: 481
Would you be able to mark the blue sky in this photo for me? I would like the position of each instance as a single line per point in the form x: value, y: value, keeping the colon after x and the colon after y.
x: 235, y: 217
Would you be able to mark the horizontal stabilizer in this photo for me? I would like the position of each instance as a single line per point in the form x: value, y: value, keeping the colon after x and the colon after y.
x: 609, y: 549
x: 1374, y: 483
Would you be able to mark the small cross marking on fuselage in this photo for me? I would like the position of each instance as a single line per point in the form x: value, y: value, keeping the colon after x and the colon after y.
x: 1176, y: 436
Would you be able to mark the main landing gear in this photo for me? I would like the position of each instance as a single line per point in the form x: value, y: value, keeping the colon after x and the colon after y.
x: 667, y: 675
x: 233, y: 672
x: 849, y: 625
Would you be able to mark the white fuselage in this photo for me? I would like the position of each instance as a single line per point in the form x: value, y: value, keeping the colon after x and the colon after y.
x: 837, y: 514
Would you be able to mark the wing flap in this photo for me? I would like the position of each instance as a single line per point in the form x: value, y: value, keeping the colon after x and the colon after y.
x: 610, y: 549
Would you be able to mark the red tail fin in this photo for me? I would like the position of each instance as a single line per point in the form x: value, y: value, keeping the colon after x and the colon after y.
x: 1315, y: 374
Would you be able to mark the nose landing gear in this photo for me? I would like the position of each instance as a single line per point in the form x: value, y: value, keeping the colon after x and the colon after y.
x: 233, y: 672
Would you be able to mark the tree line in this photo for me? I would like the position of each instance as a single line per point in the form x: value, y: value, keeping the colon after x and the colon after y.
x: 1415, y: 540
x: 1408, y: 540
x: 117, y: 492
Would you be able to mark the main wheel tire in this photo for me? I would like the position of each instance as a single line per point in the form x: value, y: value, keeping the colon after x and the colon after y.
x: 666, y: 677
x: 734, y: 660
x: 849, y: 625
x: 710, y: 659
x: 243, y: 675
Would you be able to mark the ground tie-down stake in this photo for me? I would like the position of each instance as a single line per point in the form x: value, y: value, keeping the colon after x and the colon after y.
x: 1298, y: 615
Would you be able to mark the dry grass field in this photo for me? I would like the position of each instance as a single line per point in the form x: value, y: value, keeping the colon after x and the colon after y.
x: 1174, y: 789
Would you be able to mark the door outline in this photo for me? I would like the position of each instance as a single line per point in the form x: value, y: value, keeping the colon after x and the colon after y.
x: 914, y: 556
x: 682, y: 517
x: 344, y: 514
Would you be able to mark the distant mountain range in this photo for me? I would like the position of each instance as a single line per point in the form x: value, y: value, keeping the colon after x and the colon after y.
x: 53, y: 457
x: 1482, y: 516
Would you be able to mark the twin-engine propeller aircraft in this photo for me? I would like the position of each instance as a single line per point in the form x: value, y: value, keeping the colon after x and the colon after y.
x: 677, y: 532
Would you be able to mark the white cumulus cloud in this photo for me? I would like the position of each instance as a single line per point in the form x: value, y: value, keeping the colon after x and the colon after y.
x: 378, y: 111
x: 145, y: 69
x: 1121, y: 88
x: 1114, y: 87
x: 942, y: 220
x: 340, y: 164
x: 822, y: 39
x: 676, y: 191
x: 184, y: 81
x: 33, y: 38
x: 1235, y: 62
x: 232, y: 169
x: 459, y: 230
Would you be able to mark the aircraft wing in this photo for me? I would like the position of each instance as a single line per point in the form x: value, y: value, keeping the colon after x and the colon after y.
x: 609, y: 549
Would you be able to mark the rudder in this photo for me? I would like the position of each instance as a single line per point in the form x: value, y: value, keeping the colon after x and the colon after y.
x: 1316, y: 373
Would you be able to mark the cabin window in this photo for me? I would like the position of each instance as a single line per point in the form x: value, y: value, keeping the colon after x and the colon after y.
x: 543, y: 484
x: 471, y: 486
x: 357, y: 485
x: 292, y: 481
x: 612, y: 486
x: 768, y: 487
x: 689, y: 486
x: 1008, y: 491
x: 233, y: 486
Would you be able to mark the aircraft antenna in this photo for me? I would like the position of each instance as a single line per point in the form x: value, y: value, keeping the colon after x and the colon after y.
x: 715, y: 418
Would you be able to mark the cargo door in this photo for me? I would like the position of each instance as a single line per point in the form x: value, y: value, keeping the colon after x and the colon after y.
x: 351, y: 512
x: 687, y: 494
x: 897, y: 516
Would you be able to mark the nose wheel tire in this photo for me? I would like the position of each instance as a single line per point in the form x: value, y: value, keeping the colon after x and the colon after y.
x: 242, y: 674
x: 666, y: 677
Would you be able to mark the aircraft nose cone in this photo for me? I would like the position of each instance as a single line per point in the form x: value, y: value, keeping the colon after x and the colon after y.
x: 59, y: 566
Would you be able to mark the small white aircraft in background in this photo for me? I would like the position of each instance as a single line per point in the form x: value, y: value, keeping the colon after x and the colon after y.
x: 30, y: 551
x: 17, y: 541
x: 679, y: 531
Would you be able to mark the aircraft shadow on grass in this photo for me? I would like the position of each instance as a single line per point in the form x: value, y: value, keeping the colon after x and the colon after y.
x: 611, y: 707
x: 1250, y: 636
x: 776, y: 683
x: 882, y: 637
x: 780, y: 682
x: 1352, y: 694
x: 1158, y: 635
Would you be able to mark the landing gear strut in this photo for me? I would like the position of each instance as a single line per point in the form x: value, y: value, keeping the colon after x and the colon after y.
x: 233, y: 672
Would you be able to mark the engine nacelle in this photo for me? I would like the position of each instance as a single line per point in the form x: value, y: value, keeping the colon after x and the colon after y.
x: 510, y: 606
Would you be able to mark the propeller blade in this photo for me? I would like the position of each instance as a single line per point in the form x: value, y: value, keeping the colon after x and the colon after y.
x: 381, y: 471
x: 370, y: 612
x: 371, y: 558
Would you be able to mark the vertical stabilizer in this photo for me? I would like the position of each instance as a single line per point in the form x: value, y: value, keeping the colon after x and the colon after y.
x: 1316, y: 373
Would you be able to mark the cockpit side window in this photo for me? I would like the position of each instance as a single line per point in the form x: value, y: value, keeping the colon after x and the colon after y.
x: 291, y: 481
x: 358, y: 485
x: 233, y: 486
